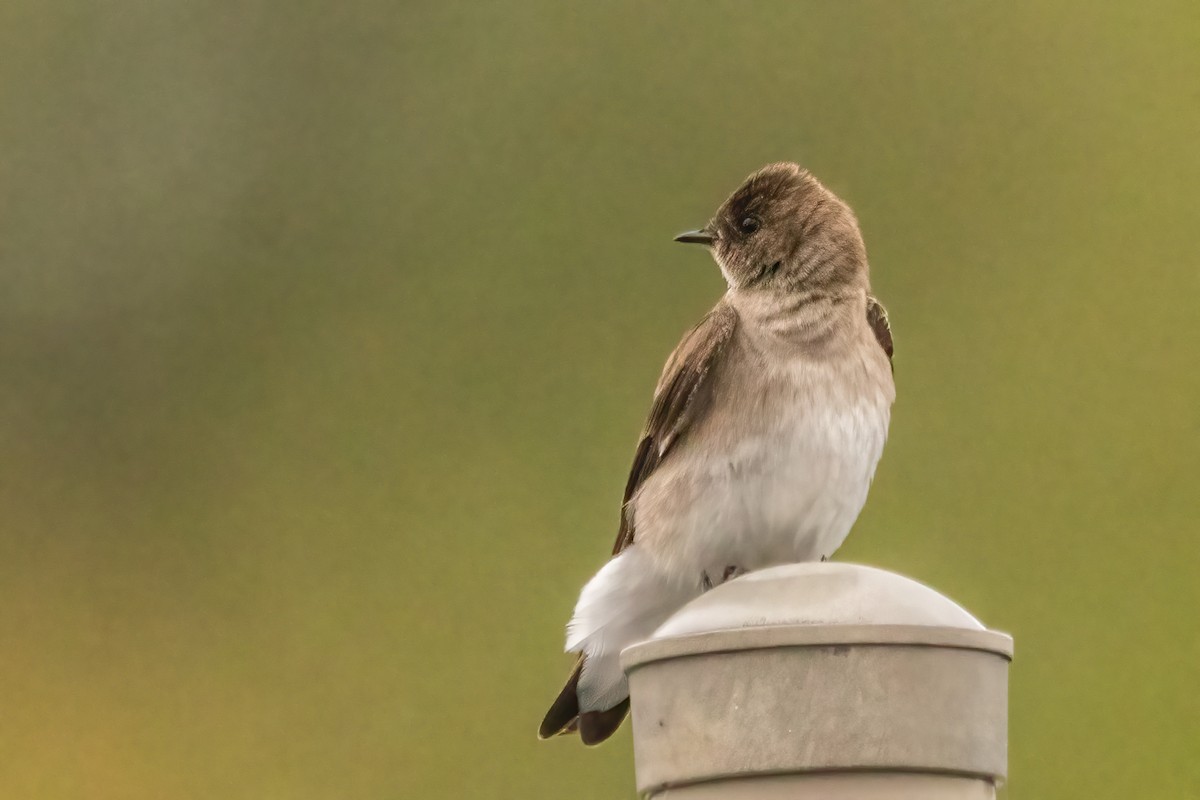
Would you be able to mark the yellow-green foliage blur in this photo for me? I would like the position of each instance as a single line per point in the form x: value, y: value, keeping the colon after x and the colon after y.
x: 326, y: 331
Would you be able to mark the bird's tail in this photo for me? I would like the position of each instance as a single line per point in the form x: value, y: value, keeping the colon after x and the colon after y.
x: 564, y: 716
x: 625, y: 601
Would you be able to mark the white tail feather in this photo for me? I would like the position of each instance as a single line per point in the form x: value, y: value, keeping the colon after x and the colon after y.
x: 622, y: 604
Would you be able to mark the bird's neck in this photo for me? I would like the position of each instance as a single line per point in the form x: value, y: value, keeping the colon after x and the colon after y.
x: 818, y: 321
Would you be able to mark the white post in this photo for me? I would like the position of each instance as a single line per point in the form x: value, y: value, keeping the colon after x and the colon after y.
x: 820, y: 681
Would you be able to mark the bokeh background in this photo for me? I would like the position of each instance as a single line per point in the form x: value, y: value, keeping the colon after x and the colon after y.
x: 326, y: 331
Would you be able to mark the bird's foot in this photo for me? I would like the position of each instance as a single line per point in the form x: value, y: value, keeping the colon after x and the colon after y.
x: 730, y: 573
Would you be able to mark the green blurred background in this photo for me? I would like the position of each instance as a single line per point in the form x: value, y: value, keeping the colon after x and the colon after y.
x: 326, y: 331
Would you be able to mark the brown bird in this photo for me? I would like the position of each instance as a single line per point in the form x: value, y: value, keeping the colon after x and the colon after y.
x: 763, y: 435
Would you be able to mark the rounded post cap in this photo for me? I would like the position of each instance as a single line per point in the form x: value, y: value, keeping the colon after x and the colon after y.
x: 819, y: 668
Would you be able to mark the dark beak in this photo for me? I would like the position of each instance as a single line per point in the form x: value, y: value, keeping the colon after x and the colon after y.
x: 702, y: 236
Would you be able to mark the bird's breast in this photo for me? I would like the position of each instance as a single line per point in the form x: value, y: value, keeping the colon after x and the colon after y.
x: 776, y: 473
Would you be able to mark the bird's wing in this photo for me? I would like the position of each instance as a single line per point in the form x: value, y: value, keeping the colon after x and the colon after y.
x: 878, y: 319
x: 682, y: 396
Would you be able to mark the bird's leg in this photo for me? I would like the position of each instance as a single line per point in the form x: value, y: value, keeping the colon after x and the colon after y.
x: 731, y: 572
x: 824, y: 559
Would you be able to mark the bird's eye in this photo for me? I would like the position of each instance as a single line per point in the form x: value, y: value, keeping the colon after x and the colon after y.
x: 749, y: 225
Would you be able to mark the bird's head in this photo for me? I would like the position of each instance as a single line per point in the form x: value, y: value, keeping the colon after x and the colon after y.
x: 783, y: 231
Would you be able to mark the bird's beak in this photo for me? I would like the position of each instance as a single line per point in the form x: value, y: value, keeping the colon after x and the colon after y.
x: 702, y: 236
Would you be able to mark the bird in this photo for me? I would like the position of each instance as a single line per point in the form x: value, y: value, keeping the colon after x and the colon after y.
x: 763, y: 435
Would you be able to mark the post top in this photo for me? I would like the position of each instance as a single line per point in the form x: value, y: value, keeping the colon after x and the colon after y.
x: 820, y: 669
x: 816, y: 604
x: 816, y: 593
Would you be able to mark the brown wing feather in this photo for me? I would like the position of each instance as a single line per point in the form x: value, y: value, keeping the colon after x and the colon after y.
x: 680, y: 398
x: 878, y: 318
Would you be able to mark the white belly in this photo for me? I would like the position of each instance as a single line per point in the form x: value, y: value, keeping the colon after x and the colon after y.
x: 788, y: 493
